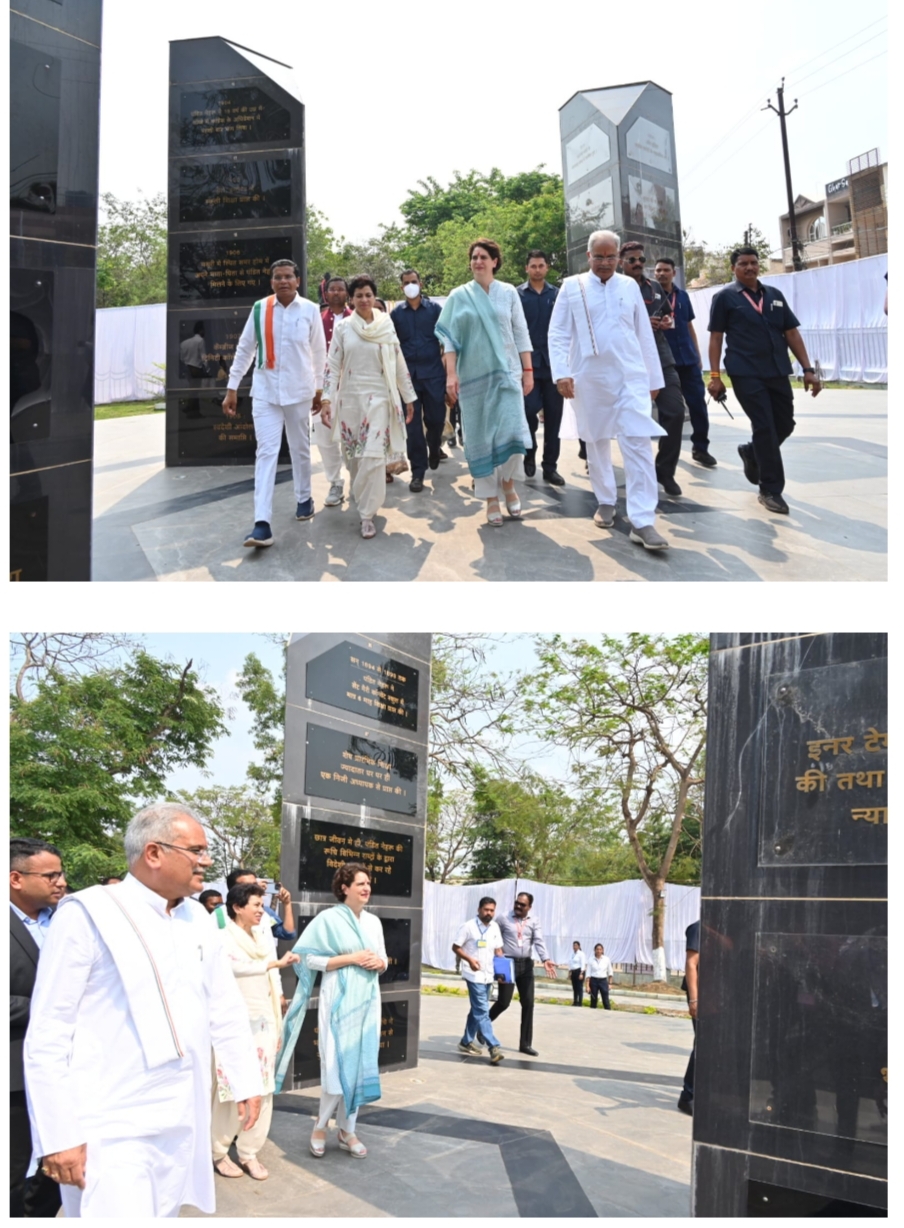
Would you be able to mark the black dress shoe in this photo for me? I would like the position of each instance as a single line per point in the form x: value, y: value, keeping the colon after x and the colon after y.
x: 748, y: 460
x: 433, y: 456
x: 443, y: 455
x: 669, y: 485
x: 553, y: 477
x: 773, y: 503
x: 416, y: 485
x: 530, y: 464
x: 704, y: 458
x: 686, y: 1106
x: 527, y: 1049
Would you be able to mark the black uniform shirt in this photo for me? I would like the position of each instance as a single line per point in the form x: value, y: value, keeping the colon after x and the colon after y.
x: 655, y: 300
x: 420, y: 347
x: 691, y: 943
x: 755, y: 343
x: 538, y: 313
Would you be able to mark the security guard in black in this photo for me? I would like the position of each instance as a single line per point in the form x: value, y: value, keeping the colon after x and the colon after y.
x: 758, y: 328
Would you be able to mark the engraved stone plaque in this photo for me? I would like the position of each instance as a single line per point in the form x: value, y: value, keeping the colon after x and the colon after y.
x: 359, y: 680
x: 360, y: 771
x: 325, y: 846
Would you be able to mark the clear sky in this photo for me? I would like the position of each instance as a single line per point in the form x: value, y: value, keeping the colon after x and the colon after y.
x: 398, y: 92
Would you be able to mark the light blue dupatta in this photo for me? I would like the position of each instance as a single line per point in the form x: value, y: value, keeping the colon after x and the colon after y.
x: 336, y: 931
x: 492, y: 403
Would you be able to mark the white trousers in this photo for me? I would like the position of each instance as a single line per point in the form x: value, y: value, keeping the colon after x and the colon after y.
x: 491, y: 487
x: 330, y: 453
x: 330, y: 1105
x: 269, y: 421
x: 641, y: 489
x: 368, y: 475
x: 225, y: 1125
x: 133, y: 1179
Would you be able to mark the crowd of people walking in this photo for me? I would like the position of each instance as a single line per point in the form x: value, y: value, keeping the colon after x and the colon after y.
x: 611, y: 354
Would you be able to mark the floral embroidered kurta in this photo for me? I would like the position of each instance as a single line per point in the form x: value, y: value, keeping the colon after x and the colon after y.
x: 253, y: 980
x: 365, y: 422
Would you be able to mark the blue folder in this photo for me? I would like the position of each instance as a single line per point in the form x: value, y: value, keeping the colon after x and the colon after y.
x: 503, y: 969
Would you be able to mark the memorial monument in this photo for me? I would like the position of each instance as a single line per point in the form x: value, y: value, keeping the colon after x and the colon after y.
x: 54, y: 106
x: 355, y: 789
x: 236, y: 204
x: 790, y: 1102
x: 619, y: 168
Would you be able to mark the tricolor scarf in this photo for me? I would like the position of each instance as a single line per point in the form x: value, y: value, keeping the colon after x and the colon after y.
x: 335, y: 931
x: 268, y: 304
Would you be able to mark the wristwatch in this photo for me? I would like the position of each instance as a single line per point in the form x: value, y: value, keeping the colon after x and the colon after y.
x: 809, y: 370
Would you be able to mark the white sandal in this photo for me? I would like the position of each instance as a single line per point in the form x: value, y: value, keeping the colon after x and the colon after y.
x: 368, y: 528
x: 494, y: 515
x: 317, y: 1145
x: 357, y: 1148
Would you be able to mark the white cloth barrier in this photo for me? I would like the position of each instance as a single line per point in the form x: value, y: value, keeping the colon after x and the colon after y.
x: 128, y: 341
x: 842, y: 322
x: 619, y: 915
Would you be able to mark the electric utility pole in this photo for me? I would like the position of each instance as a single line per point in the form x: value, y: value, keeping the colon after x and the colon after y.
x: 792, y: 224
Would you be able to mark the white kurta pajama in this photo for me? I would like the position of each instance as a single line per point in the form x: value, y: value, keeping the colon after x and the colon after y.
x: 94, y: 1076
x: 612, y: 358
x: 282, y: 395
x: 330, y: 1085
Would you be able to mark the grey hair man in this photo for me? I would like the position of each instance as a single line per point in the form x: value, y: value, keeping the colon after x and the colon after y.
x: 133, y: 990
x: 603, y: 357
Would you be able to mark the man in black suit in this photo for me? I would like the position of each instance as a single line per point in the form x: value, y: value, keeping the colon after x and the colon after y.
x: 36, y: 885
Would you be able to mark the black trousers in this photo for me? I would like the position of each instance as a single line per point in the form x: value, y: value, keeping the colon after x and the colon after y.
x: 599, y: 987
x: 577, y: 984
x: 545, y: 396
x: 695, y: 395
x: 687, y: 1092
x: 429, y: 415
x: 769, y: 404
x: 34, y: 1197
x: 524, y: 983
x: 670, y: 408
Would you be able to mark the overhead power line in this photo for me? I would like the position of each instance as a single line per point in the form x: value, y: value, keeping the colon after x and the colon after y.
x: 838, y: 76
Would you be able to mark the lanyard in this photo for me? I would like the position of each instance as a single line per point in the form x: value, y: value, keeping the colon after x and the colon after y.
x: 672, y: 299
x: 757, y: 306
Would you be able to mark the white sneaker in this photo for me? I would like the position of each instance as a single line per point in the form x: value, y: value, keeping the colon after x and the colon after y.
x: 336, y: 495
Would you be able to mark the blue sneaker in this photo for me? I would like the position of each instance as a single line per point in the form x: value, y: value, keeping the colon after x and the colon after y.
x: 304, y: 511
x: 260, y: 535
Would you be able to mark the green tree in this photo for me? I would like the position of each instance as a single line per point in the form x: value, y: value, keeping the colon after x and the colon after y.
x: 717, y: 260
x: 452, y: 826
x: 633, y: 709
x: 242, y: 828
x: 131, y: 251
x: 86, y: 749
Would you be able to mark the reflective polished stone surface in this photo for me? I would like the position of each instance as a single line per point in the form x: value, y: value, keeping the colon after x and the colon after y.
x: 791, y: 1078
x: 54, y: 97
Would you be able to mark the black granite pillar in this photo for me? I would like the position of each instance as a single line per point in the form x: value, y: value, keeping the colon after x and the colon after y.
x: 54, y: 103
x: 620, y: 171
x: 236, y: 204
x: 355, y: 789
x: 790, y: 1105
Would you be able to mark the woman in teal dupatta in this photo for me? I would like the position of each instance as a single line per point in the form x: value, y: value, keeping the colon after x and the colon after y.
x: 346, y: 945
x: 487, y: 356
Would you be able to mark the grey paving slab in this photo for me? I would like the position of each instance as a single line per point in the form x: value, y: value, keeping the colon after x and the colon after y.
x: 153, y: 523
x: 588, y: 1129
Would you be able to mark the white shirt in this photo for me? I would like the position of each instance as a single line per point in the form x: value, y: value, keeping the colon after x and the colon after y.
x: 191, y: 351
x: 299, y: 349
x: 612, y: 387
x: 599, y: 967
x: 85, y: 1071
x: 36, y: 926
x: 578, y: 960
x: 480, y: 942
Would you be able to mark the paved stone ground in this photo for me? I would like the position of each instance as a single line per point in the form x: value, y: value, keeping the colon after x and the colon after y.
x: 588, y: 1128
x: 153, y: 523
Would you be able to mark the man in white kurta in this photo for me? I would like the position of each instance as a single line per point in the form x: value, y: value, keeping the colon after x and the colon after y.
x: 117, y: 1056
x: 604, y: 359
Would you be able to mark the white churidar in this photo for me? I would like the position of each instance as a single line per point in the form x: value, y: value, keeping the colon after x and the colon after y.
x: 147, y: 1127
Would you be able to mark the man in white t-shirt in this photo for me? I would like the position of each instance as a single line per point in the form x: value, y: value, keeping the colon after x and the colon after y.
x: 476, y: 944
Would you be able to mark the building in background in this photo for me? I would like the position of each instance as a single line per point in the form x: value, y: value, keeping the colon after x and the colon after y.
x: 850, y: 222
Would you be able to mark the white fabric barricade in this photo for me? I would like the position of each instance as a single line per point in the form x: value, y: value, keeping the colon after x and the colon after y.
x: 619, y: 915
x: 842, y: 321
x: 129, y: 353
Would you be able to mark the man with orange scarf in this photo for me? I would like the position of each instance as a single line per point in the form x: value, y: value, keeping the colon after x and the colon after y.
x: 283, y: 336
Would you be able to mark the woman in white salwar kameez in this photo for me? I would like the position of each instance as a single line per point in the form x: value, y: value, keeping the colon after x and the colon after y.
x: 251, y: 959
x: 351, y: 886
x: 366, y: 382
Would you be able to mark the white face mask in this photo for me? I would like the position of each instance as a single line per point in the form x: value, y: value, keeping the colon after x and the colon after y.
x: 412, y: 289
